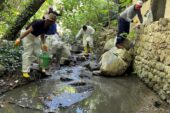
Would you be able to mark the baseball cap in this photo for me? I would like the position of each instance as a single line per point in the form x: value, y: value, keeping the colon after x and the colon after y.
x: 51, y: 17
x: 139, y: 3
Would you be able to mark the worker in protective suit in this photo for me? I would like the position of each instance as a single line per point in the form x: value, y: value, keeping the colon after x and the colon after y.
x: 32, y: 43
x: 87, y: 32
x: 125, y: 18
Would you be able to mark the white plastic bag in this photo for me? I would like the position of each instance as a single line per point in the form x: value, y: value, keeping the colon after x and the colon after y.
x: 54, y: 44
x: 112, y: 62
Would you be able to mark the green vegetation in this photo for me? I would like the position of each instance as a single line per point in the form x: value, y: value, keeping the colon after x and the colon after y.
x: 10, y: 56
x: 75, y: 12
x: 9, y: 11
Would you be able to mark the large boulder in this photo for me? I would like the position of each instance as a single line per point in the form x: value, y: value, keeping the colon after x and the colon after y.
x: 115, y: 62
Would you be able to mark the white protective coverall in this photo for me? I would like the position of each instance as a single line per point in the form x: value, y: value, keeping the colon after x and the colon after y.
x: 87, y: 36
x: 32, y: 50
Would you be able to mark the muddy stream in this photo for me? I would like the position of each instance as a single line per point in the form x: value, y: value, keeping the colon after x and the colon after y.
x: 75, y: 90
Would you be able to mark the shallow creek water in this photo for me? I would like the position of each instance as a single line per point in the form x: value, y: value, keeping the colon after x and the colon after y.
x: 66, y: 92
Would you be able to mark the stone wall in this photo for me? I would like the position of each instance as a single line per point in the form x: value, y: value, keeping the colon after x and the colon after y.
x: 167, y: 9
x: 152, y: 57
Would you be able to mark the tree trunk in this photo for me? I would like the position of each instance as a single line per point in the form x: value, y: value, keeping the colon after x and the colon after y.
x: 2, y: 1
x: 1, y: 4
x: 158, y: 9
x: 22, y: 19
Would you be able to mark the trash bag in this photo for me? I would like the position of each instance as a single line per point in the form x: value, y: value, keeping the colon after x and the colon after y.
x: 148, y: 17
x: 125, y: 42
x: 115, y: 62
x: 66, y: 50
x: 109, y: 44
x: 56, y: 46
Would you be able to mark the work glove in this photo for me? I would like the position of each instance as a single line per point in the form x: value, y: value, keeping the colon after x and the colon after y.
x: 135, y: 21
x: 17, y: 41
x: 44, y: 47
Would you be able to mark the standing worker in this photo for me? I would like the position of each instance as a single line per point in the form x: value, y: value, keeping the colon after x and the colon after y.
x: 87, y: 32
x: 53, y: 29
x: 31, y: 41
x: 125, y: 18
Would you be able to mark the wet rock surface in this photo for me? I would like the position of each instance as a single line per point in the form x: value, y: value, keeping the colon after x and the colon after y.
x: 85, y: 74
x: 50, y: 94
x: 91, y: 65
x: 65, y: 79
x: 12, y: 80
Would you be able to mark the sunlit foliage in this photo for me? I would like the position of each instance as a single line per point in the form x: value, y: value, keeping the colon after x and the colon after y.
x: 11, y: 9
x: 75, y: 13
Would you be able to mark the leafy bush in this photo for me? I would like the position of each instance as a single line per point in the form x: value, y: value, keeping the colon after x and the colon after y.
x: 10, y: 56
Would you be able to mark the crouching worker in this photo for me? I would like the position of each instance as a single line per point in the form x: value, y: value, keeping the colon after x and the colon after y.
x: 32, y: 43
x: 87, y: 32
x: 125, y: 18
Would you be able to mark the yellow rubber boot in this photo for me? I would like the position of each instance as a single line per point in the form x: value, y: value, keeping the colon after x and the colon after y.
x: 91, y: 50
x: 85, y: 50
x: 92, y: 54
x: 25, y: 75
